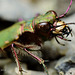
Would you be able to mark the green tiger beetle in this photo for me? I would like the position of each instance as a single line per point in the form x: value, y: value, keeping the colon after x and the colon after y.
x: 37, y: 30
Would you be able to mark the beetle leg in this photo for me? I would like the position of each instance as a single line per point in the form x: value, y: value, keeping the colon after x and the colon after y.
x: 29, y: 47
x: 41, y: 61
x: 17, y: 61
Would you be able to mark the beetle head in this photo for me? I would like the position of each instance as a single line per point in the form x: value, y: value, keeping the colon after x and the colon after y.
x: 58, y: 29
x: 61, y: 28
x: 42, y: 29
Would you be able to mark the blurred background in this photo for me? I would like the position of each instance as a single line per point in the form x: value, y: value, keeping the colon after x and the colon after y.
x: 12, y: 10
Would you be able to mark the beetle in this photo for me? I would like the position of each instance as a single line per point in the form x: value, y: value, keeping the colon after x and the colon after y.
x: 35, y: 32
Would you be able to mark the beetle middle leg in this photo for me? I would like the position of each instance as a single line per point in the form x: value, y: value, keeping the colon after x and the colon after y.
x: 40, y: 60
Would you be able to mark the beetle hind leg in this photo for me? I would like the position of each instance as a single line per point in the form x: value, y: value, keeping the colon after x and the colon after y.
x: 41, y: 61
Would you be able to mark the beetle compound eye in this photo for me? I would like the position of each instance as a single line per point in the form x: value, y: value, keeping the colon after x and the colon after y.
x: 42, y: 24
x: 43, y: 27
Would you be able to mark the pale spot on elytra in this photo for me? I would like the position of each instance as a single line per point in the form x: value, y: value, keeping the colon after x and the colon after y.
x: 6, y: 42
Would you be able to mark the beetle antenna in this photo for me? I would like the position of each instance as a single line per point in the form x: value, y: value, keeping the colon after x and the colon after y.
x: 66, y: 10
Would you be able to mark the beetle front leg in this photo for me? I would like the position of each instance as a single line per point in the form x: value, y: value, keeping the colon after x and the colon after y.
x: 17, y: 61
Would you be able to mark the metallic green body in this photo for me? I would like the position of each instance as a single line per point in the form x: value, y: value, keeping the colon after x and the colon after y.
x: 49, y: 17
x: 8, y: 35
